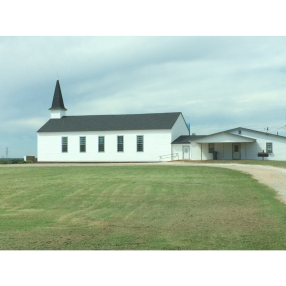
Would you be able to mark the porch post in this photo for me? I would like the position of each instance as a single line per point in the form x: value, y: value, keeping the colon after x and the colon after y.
x: 223, y: 151
x: 201, y: 151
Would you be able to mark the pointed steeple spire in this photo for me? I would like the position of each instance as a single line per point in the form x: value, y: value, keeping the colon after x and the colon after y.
x: 58, y: 102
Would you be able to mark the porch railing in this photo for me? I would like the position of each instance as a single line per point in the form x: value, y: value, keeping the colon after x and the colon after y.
x: 176, y: 155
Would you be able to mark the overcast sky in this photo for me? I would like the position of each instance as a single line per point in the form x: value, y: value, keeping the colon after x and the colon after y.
x: 217, y: 83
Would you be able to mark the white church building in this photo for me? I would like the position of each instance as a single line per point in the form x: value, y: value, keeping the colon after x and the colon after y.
x: 149, y: 137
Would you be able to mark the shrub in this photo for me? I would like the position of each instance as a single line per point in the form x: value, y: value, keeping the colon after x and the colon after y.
x: 29, y: 161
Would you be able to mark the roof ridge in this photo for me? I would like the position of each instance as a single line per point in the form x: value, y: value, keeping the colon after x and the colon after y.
x: 267, y: 133
x: 122, y: 114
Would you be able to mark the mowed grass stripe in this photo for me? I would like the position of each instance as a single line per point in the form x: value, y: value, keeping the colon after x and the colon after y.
x: 137, y: 207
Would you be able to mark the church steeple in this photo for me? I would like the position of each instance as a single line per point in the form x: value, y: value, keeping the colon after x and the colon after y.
x: 58, y: 102
x: 58, y: 109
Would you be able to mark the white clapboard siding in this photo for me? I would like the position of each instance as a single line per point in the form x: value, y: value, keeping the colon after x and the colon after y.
x: 248, y: 150
x: 278, y: 143
x: 179, y: 128
x: 58, y: 113
x: 156, y: 143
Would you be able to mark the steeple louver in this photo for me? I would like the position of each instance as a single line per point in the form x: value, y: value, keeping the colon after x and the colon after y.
x: 58, y: 102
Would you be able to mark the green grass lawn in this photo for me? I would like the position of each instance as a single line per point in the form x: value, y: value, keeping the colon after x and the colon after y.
x: 281, y: 164
x: 137, y: 207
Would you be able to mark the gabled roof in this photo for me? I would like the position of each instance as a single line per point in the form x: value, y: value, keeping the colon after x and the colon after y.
x: 58, y: 102
x: 265, y: 133
x: 149, y: 121
x: 225, y: 137
x: 186, y: 139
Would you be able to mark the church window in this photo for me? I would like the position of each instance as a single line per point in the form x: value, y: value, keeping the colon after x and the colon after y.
x: 64, y: 144
x: 101, y: 144
x: 140, y: 143
x: 119, y: 143
x: 82, y: 144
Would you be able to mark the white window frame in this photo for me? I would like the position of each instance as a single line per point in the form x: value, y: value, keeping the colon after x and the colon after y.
x: 271, y: 147
x: 99, y: 151
x: 211, y: 148
x: 81, y: 144
x: 122, y: 143
x: 140, y: 143
x: 63, y: 145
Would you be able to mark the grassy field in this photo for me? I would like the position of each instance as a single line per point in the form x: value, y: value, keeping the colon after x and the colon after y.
x: 137, y: 207
x: 281, y: 164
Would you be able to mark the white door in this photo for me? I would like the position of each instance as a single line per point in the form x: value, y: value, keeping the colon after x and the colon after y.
x: 186, y: 152
x: 236, y: 151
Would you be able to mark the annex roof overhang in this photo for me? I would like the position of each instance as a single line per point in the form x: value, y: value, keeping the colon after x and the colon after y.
x: 187, y: 139
x: 225, y: 137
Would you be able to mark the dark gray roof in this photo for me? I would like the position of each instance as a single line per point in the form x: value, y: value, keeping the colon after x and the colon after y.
x: 185, y: 139
x: 111, y: 122
x: 58, y: 102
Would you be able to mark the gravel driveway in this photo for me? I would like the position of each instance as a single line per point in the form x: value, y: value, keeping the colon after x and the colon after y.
x: 273, y: 177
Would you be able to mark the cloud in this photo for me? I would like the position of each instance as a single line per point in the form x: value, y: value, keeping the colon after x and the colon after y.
x: 217, y: 82
x: 29, y: 124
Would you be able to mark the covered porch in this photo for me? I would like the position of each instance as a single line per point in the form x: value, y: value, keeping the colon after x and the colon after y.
x: 223, y: 146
